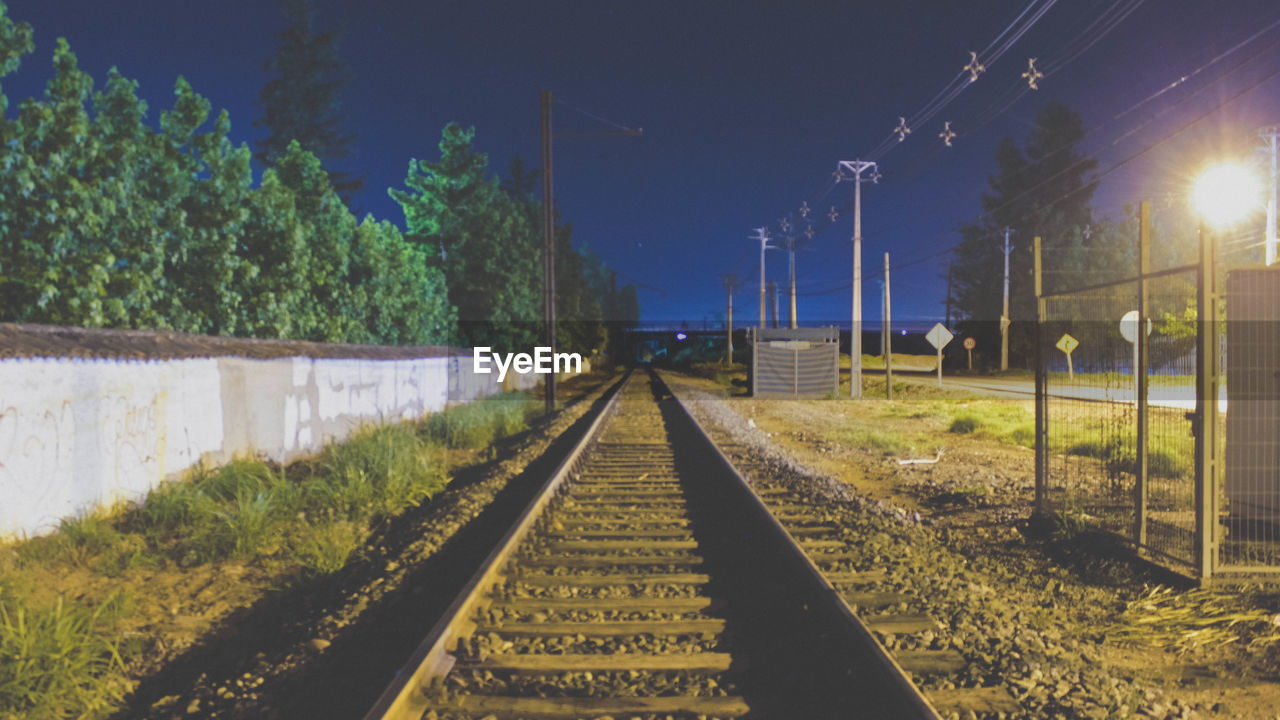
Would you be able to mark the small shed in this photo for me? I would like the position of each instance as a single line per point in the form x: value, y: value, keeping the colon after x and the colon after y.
x: 1253, y: 400
x: 801, y: 362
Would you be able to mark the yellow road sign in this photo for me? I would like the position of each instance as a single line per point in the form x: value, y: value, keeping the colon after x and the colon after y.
x: 1067, y: 343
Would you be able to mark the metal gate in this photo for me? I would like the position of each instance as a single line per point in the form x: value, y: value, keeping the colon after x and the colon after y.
x: 795, y: 362
x: 1135, y: 433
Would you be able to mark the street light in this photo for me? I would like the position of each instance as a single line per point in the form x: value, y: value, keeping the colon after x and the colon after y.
x: 1225, y: 194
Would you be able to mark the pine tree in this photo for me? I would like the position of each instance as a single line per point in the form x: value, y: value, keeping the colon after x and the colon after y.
x: 302, y: 100
x: 1042, y: 189
x: 485, y: 242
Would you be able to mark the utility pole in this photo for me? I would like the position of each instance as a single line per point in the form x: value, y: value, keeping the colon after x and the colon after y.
x: 548, y: 235
x: 730, y: 284
x: 888, y: 335
x: 763, y: 236
x: 857, y: 167
x: 773, y: 304
x: 1004, y: 316
x: 1272, y: 136
x: 950, y: 270
x: 791, y: 274
x: 548, y: 251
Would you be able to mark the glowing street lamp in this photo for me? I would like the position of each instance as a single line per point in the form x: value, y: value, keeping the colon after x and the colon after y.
x: 1226, y: 194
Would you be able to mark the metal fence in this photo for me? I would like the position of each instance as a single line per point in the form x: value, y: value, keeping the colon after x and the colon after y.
x: 1137, y: 433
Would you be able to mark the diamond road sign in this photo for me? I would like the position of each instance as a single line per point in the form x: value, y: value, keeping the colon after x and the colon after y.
x: 939, y: 336
x: 1067, y: 343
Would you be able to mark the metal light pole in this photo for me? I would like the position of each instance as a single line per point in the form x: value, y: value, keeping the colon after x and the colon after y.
x: 1004, y: 316
x: 1272, y: 136
x: 857, y: 167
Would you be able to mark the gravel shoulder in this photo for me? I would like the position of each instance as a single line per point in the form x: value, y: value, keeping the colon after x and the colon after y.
x: 1067, y: 624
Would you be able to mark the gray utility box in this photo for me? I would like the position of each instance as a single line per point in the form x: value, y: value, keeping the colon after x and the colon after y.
x: 804, y: 362
x: 1253, y: 400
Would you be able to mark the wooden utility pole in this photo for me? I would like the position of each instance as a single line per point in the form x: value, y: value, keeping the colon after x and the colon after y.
x: 549, y: 231
x: 548, y: 250
x: 730, y: 284
x: 1041, y: 384
x: 1004, y: 316
x: 888, y: 335
x: 950, y: 269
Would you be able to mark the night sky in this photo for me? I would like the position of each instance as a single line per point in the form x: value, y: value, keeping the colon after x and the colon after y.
x: 746, y: 108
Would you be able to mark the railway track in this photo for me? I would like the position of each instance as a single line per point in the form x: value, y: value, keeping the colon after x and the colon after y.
x: 648, y: 581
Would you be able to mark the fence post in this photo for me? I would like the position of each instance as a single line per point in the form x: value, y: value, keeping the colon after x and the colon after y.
x: 1042, y: 420
x: 1140, y: 481
x: 1204, y: 421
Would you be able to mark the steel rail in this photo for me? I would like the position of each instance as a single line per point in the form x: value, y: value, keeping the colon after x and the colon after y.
x: 404, y: 698
x: 411, y: 694
x: 912, y: 702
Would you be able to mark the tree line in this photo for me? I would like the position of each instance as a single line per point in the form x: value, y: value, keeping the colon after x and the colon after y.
x: 1044, y: 188
x: 108, y: 222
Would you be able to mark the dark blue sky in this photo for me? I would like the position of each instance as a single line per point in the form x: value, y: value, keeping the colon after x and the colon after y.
x: 746, y: 108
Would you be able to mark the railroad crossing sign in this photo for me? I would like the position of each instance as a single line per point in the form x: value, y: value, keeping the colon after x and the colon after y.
x: 1066, y: 344
x: 938, y: 337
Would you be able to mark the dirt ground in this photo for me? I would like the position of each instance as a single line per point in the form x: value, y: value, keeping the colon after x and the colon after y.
x: 975, y: 495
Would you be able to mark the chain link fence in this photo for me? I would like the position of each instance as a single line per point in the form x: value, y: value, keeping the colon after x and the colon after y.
x: 1165, y: 430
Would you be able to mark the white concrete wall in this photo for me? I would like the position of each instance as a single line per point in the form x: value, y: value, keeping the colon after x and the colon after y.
x: 77, y: 434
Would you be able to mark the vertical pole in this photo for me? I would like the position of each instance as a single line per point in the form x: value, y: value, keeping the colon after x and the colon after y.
x: 1140, y: 363
x: 1205, y: 423
x: 728, y: 326
x: 548, y: 250
x: 888, y: 335
x: 855, y: 327
x: 1041, y: 402
x: 1272, y: 135
x: 1004, y: 316
x: 792, y: 272
x: 763, y: 241
x: 773, y: 304
x: 950, y: 270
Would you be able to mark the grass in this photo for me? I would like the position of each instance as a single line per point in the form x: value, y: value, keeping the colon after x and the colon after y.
x: 60, y: 657
x: 480, y: 423
x: 60, y: 661
x: 1119, y: 455
x: 1002, y: 422
x: 885, y: 442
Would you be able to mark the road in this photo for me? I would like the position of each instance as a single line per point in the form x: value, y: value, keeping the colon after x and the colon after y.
x: 1024, y: 387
